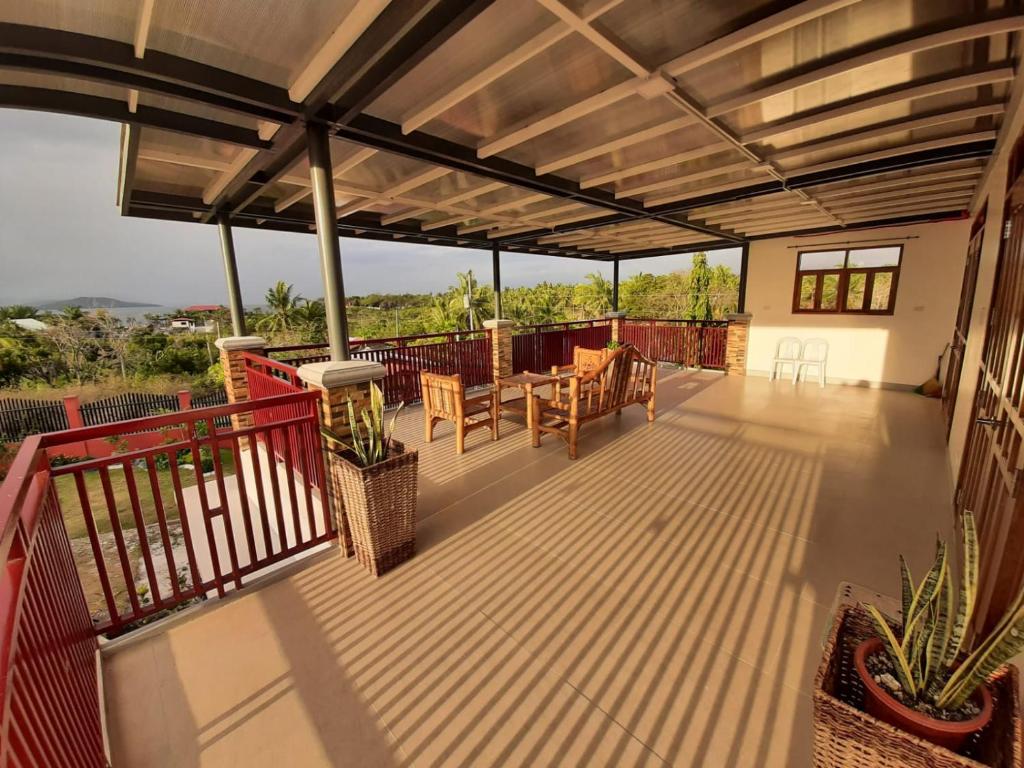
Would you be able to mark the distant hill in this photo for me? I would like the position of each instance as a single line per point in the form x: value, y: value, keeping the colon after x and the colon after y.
x: 91, y: 302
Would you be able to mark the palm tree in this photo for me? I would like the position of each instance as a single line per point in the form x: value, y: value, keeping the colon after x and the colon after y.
x: 478, y: 304
x: 546, y: 308
x: 602, y: 292
x: 442, y: 316
x: 283, y: 307
x: 312, y: 316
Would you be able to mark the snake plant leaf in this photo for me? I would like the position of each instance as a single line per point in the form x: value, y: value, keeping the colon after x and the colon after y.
x: 892, y: 648
x: 923, y: 598
x: 391, y: 428
x: 968, y: 588
x: 1006, y: 642
x: 938, y: 639
x: 371, y: 439
x: 357, y: 436
x: 906, y: 589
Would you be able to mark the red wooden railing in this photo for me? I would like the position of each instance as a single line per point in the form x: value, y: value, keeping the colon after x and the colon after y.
x: 270, y: 378
x: 695, y: 343
x: 467, y: 353
x: 538, y: 347
x: 49, y: 689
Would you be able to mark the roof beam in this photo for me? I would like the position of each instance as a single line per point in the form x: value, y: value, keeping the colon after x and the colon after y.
x: 355, y: 22
x: 621, y: 142
x: 686, y: 178
x: 903, y: 181
x: 917, y: 199
x: 696, y: 194
x: 581, y: 25
x: 654, y: 165
x: 119, y: 65
x: 882, y: 154
x: 900, y: 44
x: 895, y: 126
x: 126, y: 169
x: 142, y: 28
x: 872, y: 193
x: 752, y: 33
x: 923, y: 88
x: 68, y: 103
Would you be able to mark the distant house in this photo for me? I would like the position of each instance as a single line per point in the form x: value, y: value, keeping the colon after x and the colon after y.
x: 183, y: 324
x: 203, y: 308
x: 30, y: 324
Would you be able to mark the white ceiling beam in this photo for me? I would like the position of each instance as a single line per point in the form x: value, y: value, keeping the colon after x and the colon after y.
x: 513, y: 204
x: 883, y: 176
x: 917, y: 199
x: 470, y: 194
x: 895, y: 152
x: 355, y: 22
x: 408, y: 213
x: 219, y: 184
x: 873, y: 100
x: 623, y: 141
x: 913, y: 43
x: 654, y: 165
x: 866, y: 193
x: 780, y: 223
x: 339, y: 170
x: 582, y: 26
x: 133, y: 100
x: 963, y: 175
x: 190, y: 161
x: 142, y: 25
x: 695, y: 193
x: 394, y: 192
x: 537, y: 125
x: 752, y: 33
x: 686, y: 178
x: 724, y: 214
x: 913, y: 124
x: 772, y: 198
x: 740, y: 218
x: 454, y: 94
x: 908, y: 212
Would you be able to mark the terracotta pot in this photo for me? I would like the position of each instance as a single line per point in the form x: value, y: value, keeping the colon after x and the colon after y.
x: 880, y: 704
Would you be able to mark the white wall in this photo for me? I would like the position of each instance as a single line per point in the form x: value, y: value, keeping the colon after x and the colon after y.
x: 876, y: 350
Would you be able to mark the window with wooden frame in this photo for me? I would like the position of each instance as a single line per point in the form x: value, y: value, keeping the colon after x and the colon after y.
x: 849, y: 280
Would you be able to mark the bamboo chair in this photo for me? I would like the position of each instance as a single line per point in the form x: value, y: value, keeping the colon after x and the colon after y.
x: 583, y: 361
x: 625, y: 377
x: 444, y: 399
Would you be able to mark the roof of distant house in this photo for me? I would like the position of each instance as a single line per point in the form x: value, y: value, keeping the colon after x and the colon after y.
x: 29, y: 324
x: 202, y: 308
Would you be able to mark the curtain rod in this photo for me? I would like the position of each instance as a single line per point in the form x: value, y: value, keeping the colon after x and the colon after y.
x: 856, y: 242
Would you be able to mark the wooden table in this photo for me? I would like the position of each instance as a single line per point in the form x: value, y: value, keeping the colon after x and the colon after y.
x: 525, y: 381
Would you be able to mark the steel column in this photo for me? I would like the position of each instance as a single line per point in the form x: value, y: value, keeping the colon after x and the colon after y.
x: 741, y: 304
x: 615, y: 285
x: 227, y: 250
x: 320, y: 176
x: 496, y: 267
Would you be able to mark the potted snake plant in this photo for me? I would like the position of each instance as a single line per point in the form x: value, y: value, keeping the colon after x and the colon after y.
x: 922, y: 675
x: 376, y: 478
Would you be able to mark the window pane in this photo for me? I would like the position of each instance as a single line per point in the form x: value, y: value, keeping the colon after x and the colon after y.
x: 822, y: 260
x: 855, y: 291
x: 830, y: 292
x: 807, y: 285
x: 881, y: 290
x: 875, y: 257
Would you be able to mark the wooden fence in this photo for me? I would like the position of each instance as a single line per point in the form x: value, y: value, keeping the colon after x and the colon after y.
x: 20, y: 418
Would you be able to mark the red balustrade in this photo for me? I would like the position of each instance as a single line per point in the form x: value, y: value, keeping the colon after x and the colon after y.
x: 695, y: 343
x: 538, y: 347
x: 49, y: 689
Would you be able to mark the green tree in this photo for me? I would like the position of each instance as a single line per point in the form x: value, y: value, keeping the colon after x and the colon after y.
x: 282, y: 308
x: 18, y: 312
x: 700, y: 286
x: 479, y: 306
x: 312, y: 320
x: 442, y: 316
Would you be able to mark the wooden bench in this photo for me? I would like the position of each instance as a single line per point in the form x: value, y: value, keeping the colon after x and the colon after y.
x: 444, y: 399
x: 625, y: 377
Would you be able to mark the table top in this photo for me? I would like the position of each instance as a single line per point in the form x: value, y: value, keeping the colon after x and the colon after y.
x: 526, y: 377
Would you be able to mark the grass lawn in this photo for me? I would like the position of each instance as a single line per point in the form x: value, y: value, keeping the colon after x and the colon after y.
x: 71, y: 506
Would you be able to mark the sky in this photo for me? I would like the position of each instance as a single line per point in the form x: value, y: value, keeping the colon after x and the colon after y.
x: 61, y: 236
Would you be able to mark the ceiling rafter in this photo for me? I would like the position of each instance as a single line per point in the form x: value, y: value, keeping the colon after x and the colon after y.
x: 899, y: 44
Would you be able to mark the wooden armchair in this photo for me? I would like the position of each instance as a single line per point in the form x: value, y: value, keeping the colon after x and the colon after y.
x: 583, y: 361
x: 444, y: 399
x: 625, y: 377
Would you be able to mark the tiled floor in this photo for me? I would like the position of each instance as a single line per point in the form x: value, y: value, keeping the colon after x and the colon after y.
x: 659, y: 601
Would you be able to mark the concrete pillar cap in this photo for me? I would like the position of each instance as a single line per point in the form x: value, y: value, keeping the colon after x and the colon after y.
x: 739, y: 317
x: 499, y: 323
x: 615, y: 315
x: 231, y: 343
x: 341, y: 373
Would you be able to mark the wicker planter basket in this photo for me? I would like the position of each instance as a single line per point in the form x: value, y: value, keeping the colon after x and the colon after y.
x: 380, y: 506
x: 847, y: 737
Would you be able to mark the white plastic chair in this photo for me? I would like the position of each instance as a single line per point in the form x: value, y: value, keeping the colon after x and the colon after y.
x: 814, y: 354
x: 787, y: 352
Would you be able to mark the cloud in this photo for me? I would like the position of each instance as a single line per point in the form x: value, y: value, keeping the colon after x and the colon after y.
x: 63, y: 237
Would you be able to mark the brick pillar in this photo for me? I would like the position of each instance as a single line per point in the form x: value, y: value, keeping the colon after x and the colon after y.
x: 736, y: 344
x: 501, y: 346
x: 232, y: 360
x: 618, y: 320
x: 338, y: 382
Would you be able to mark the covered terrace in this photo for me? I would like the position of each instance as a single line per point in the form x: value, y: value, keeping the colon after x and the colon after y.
x: 660, y: 600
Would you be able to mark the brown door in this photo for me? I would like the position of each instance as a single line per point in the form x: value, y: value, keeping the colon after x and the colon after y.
x: 990, y: 474
x: 957, y: 346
